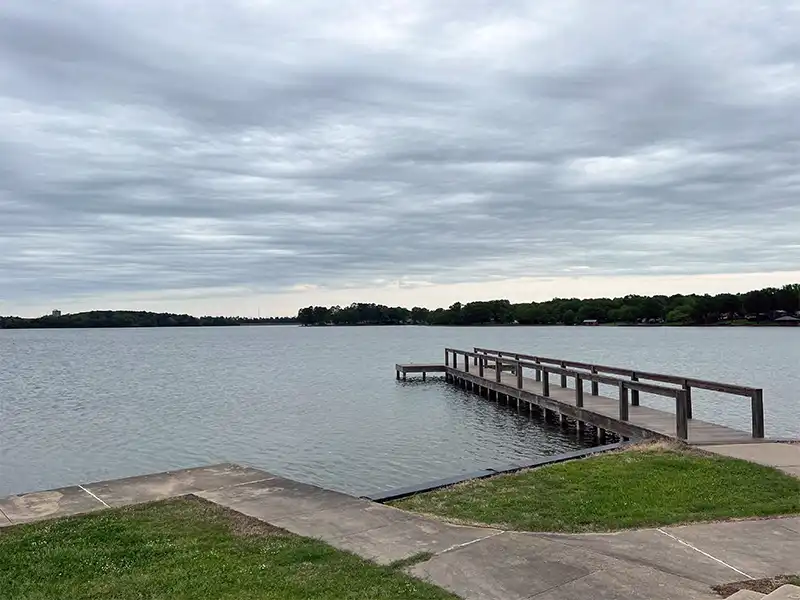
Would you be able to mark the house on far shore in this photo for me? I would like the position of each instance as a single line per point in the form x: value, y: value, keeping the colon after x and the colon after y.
x: 591, y: 322
x: 788, y: 321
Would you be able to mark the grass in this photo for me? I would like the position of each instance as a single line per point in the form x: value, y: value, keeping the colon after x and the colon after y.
x: 186, y: 549
x: 763, y: 586
x: 640, y: 487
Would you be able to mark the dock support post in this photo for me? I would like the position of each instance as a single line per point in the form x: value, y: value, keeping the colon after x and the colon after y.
x: 498, y: 371
x: 623, y: 401
x: 595, y: 386
x: 519, y: 375
x: 601, y: 436
x: 538, y: 372
x: 481, y: 366
x: 757, y: 407
x: 466, y: 363
x: 579, y: 391
x: 581, y: 428
x: 404, y: 375
x: 681, y: 418
x: 446, y: 358
x: 423, y: 375
x: 398, y: 375
x: 688, y: 390
x: 564, y: 421
x: 563, y: 376
x: 545, y: 383
x: 634, y: 393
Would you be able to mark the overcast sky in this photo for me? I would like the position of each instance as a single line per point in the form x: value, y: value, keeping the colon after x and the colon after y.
x: 229, y: 157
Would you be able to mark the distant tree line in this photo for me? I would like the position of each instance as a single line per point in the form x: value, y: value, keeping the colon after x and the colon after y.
x: 126, y: 318
x: 755, y: 306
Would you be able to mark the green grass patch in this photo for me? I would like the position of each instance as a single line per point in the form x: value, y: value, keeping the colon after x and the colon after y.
x: 640, y: 487
x: 186, y: 549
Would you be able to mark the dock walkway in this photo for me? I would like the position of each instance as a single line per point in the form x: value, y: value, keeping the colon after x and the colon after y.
x: 501, y: 376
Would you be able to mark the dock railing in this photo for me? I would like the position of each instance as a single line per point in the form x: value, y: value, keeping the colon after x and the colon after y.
x: 543, y: 372
x: 596, y: 375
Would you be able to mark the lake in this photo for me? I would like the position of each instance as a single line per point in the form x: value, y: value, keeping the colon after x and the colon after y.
x: 322, y: 405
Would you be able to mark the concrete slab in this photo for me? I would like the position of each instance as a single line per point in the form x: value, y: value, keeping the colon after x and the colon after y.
x: 795, y: 471
x: 651, y: 548
x: 277, y: 498
x: 785, y: 592
x: 772, y: 454
x: 510, y: 566
x: 160, y: 486
x: 791, y: 523
x: 624, y: 582
x: 50, y: 504
x: 405, y: 538
x: 764, y: 548
x: 746, y: 595
x: 341, y: 521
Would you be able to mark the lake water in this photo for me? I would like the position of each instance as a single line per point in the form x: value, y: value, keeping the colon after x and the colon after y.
x: 321, y: 404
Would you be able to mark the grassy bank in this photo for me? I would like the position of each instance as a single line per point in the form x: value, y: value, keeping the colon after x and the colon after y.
x: 186, y: 549
x: 639, y: 487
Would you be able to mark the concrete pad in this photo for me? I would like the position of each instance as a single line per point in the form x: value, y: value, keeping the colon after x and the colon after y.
x: 510, y: 566
x: 791, y: 523
x: 746, y: 595
x: 341, y: 521
x: 278, y: 498
x: 406, y: 537
x: 651, y: 548
x: 764, y: 548
x: 48, y: 505
x: 771, y: 454
x: 785, y: 592
x: 629, y: 582
x: 160, y: 486
x: 795, y: 471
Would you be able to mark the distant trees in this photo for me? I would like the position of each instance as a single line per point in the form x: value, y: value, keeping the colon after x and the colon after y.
x: 358, y: 314
x: 124, y: 318
x: 758, y: 305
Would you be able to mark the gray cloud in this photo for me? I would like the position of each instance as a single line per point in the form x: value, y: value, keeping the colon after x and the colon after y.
x: 259, y: 145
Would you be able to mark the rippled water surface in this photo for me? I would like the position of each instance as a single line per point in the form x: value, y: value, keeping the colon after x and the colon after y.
x: 322, y: 404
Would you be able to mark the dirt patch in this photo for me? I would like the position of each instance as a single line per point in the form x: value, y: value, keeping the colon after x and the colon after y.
x: 763, y: 586
x: 241, y: 525
x: 654, y: 445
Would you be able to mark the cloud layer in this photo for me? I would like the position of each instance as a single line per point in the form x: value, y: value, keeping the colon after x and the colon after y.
x: 272, y: 146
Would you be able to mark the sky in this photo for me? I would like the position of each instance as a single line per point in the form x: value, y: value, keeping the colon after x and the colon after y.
x: 257, y: 156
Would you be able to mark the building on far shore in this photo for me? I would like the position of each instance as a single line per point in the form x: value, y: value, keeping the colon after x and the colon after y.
x: 591, y: 322
x: 788, y: 321
x: 56, y: 313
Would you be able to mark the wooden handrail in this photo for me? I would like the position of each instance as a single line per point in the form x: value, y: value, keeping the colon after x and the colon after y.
x: 686, y: 383
x: 716, y: 386
x: 545, y: 366
x: 623, y: 385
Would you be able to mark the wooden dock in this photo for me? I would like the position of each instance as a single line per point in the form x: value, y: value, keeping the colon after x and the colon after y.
x: 524, y: 381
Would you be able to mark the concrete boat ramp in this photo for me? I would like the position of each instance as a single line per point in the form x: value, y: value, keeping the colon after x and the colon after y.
x: 474, y: 562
